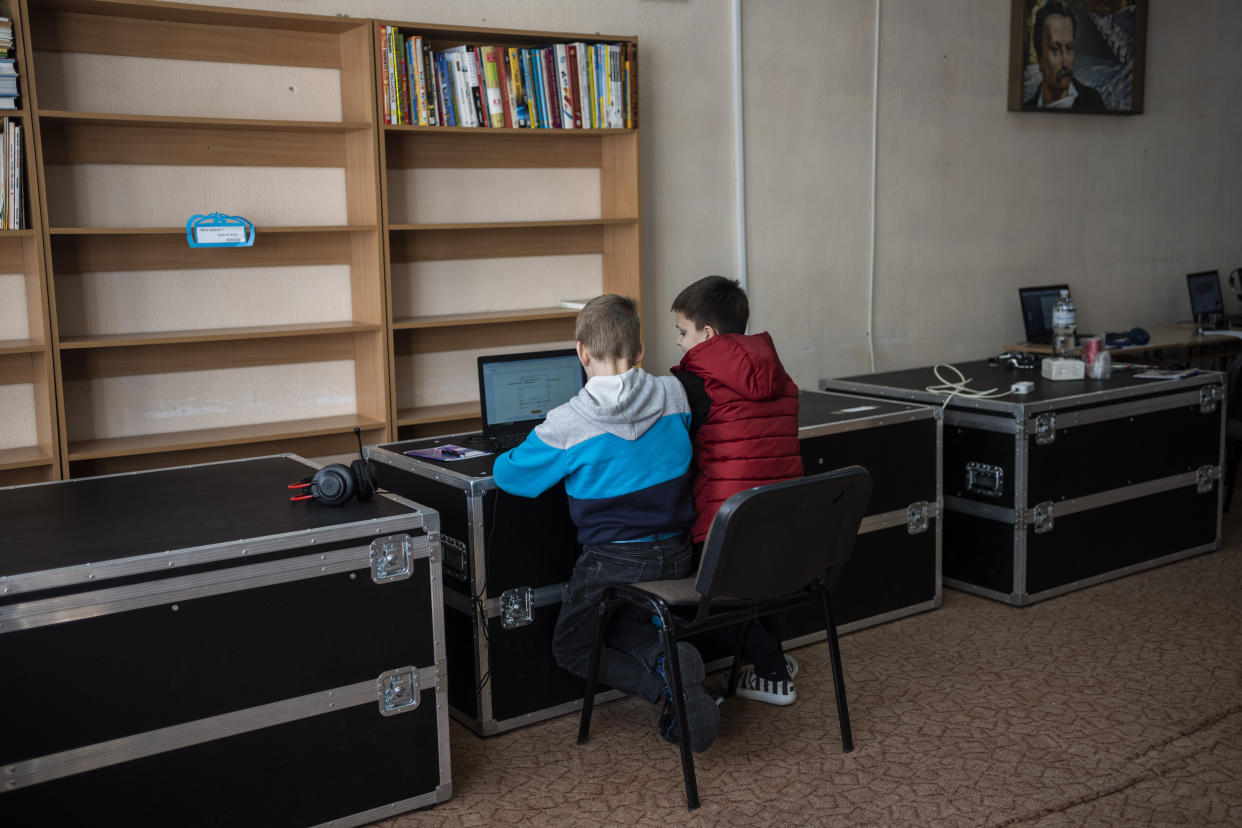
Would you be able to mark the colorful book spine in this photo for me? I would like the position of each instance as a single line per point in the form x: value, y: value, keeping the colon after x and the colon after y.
x: 420, y: 80
x: 521, y: 113
x: 631, y: 85
x: 534, y: 87
x: 575, y: 86
x: 394, y: 118
x: 506, y: 90
x: 435, y: 107
x: 593, y: 85
x: 403, y: 88
x: 447, y: 96
x: 617, y: 119
x: 459, y: 84
x: 4, y: 169
x: 19, y: 203
x: 384, y: 74
x: 467, y: 115
x: 474, y: 80
x: 491, y: 80
x: 565, y: 96
x: 584, y: 83
x: 552, y: 97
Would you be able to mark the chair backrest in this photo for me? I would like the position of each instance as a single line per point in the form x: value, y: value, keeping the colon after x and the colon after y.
x: 774, y: 540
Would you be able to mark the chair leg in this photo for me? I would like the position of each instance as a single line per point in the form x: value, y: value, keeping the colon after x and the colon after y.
x: 838, y: 676
x: 672, y: 674
x: 588, y: 696
x: 736, y: 669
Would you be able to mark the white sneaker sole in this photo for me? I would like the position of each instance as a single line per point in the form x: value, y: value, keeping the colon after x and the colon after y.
x: 778, y: 699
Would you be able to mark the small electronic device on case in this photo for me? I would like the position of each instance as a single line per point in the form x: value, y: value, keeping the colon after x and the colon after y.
x: 1013, y: 359
x: 1057, y: 368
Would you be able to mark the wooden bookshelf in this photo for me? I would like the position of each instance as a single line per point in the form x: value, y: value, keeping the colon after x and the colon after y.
x: 189, y: 337
x: 29, y: 444
x: 541, y: 247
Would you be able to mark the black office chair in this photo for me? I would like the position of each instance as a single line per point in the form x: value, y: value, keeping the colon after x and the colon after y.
x: 769, y: 549
x: 1233, y: 427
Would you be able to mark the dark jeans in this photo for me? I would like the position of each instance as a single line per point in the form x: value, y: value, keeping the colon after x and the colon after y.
x: 631, y: 641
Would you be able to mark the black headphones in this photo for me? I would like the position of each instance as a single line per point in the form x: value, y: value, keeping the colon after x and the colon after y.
x: 336, y: 483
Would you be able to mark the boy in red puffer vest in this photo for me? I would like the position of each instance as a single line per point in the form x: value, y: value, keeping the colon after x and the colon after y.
x: 744, y: 426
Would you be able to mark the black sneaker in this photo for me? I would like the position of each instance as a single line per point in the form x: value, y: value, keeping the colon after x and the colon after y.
x: 702, y: 713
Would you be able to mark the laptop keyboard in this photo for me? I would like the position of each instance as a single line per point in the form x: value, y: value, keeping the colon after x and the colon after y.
x: 495, y: 444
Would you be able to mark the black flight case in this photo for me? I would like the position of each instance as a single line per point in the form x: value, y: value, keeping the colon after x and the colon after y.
x: 1074, y: 483
x: 507, y: 559
x: 895, y: 568
x: 186, y: 646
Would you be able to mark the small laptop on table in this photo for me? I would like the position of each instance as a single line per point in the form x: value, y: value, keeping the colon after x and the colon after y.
x: 1037, y: 305
x: 1207, y: 303
x: 516, y: 392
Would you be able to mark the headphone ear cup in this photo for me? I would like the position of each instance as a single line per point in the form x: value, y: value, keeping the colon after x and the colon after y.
x: 333, y: 485
x: 364, y: 479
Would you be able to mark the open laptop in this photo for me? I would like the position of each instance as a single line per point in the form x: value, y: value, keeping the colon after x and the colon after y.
x: 1037, y: 305
x: 1207, y: 303
x: 516, y: 391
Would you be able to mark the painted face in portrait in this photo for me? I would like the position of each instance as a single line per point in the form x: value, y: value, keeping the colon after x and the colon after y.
x: 1056, y: 63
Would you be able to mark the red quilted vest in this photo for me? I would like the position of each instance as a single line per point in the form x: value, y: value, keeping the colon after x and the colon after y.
x: 750, y: 436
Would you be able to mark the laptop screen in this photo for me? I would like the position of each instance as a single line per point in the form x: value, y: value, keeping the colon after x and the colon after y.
x: 1205, y: 295
x: 516, y: 391
x: 1037, y: 305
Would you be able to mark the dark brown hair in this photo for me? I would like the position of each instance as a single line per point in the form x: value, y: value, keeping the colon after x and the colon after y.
x: 715, y: 301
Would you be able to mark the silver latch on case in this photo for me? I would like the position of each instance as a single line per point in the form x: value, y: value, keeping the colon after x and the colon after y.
x: 1045, y: 428
x: 390, y: 559
x: 1209, y: 398
x: 455, y: 557
x: 1205, y: 478
x: 517, y: 607
x: 916, y: 517
x: 398, y: 691
x: 985, y: 480
x: 1043, y: 517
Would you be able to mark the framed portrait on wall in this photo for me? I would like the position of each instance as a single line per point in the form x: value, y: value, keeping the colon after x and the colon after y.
x: 1083, y: 56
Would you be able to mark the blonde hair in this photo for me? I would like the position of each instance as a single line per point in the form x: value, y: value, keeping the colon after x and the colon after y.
x: 609, y: 328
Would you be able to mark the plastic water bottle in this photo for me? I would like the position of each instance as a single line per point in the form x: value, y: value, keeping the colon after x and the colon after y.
x: 1064, y: 323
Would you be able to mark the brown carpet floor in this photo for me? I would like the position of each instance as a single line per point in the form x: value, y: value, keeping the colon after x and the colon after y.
x: 1120, y: 704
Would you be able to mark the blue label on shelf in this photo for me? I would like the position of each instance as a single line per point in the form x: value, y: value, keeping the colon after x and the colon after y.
x: 219, y: 230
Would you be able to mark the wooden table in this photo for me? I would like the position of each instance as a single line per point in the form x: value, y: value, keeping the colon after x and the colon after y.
x: 1169, y: 343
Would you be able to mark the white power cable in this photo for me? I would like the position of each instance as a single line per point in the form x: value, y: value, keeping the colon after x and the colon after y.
x: 959, y: 387
x: 739, y: 150
x: 875, y: 140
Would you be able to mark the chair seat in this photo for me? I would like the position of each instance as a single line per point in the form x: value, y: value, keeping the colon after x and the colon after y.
x: 676, y: 591
x: 681, y: 592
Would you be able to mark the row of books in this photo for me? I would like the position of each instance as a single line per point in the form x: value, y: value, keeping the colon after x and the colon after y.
x: 12, y: 213
x: 561, y: 86
x: 8, y: 66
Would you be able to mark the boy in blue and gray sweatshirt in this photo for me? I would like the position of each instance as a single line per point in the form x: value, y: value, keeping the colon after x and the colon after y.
x: 622, y: 446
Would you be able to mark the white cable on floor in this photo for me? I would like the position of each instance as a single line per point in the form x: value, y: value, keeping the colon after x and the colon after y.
x: 959, y: 388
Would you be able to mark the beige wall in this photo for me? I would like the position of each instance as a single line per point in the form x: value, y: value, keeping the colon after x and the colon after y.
x: 972, y: 200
